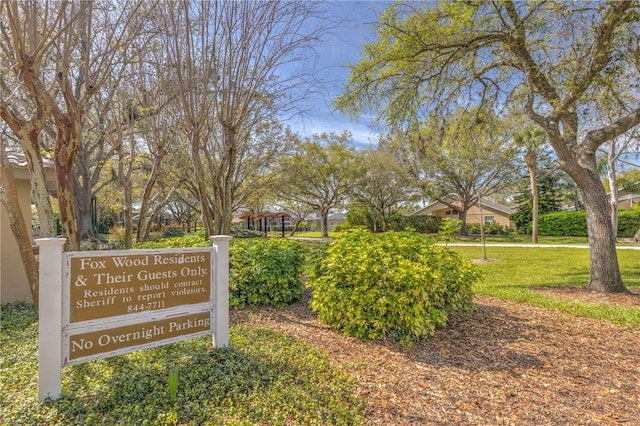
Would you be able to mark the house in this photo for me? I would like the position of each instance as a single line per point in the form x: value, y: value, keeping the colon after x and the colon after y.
x: 492, y: 212
x: 14, y: 285
x: 627, y: 199
x: 314, y: 220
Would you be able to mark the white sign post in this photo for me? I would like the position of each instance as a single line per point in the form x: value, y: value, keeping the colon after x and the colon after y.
x: 95, y: 304
x: 50, y: 317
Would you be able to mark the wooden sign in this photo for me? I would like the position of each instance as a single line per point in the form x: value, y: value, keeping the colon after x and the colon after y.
x: 113, y: 341
x: 103, y: 285
x: 95, y: 304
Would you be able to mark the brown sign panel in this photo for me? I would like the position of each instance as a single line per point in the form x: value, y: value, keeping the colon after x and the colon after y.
x: 103, y: 286
x: 128, y: 338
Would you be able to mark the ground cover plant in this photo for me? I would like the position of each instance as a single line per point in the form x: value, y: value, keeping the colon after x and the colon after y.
x: 265, y: 377
x: 527, y: 274
x: 398, y: 285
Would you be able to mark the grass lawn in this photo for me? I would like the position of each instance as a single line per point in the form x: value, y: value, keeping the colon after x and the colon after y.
x: 519, y: 271
x: 266, y: 377
x: 523, y: 239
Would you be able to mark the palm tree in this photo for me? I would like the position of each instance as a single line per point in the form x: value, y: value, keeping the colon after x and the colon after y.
x: 532, y: 138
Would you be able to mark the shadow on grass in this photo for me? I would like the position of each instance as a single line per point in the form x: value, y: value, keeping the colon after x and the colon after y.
x: 263, y: 377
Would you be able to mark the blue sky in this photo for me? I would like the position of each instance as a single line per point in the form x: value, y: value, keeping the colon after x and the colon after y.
x: 342, y: 47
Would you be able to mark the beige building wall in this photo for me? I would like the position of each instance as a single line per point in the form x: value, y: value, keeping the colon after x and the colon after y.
x: 473, y: 215
x: 14, y: 285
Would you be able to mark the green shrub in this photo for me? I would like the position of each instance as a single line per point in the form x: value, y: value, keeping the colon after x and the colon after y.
x: 448, y: 229
x: 265, y: 271
x: 173, y: 231
x: 186, y: 240
x: 424, y: 224
x: 574, y: 223
x: 246, y: 233
x: 628, y: 222
x: 567, y: 223
x: 489, y: 229
x: 397, y: 285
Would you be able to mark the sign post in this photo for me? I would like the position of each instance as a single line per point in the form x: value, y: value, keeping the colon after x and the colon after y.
x: 50, y: 317
x: 95, y: 304
x: 221, y: 336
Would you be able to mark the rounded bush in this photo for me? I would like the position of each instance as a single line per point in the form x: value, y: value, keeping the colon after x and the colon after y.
x: 173, y: 231
x: 265, y: 271
x: 392, y: 285
x: 425, y: 224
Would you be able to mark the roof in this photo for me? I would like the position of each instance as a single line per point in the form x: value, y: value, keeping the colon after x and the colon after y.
x: 18, y: 162
x: 18, y: 159
x: 265, y: 215
x: 486, y: 202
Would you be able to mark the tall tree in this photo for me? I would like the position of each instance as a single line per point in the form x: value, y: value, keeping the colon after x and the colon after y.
x: 544, y: 58
x: 532, y: 138
x: 549, y: 183
x: 468, y: 153
x: 381, y: 184
x: 21, y: 106
x: 319, y: 173
x: 78, y: 59
x: 233, y: 64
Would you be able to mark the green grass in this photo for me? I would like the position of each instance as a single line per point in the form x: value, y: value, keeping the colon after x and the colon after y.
x: 524, y: 239
x: 519, y: 271
x: 311, y: 234
x: 263, y: 378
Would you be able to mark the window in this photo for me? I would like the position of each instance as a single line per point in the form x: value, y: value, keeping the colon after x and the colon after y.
x: 488, y: 219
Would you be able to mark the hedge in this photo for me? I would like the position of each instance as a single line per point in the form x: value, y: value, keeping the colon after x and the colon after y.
x: 424, y: 224
x: 574, y: 223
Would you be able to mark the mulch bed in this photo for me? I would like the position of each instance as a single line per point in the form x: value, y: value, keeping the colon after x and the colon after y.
x: 506, y: 363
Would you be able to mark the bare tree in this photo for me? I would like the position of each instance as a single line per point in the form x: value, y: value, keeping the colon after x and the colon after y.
x: 78, y: 60
x: 236, y: 64
x: 21, y: 105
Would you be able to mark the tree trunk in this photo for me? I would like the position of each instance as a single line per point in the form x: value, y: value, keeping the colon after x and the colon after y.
x: 142, y: 231
x: 530, y: 159
x: 223, y: 188
x: 605, y: 271
x: 579, y: 162
x: 613, y: 195
x: 127, y: 213
x: 64, y: 155
x: 207, y: 217
x: 295, y: 227
x: 462, y: 215
x: 39, y: 192
x: 28, y: 134
x: 324, y: 223
x: 9, y: 198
